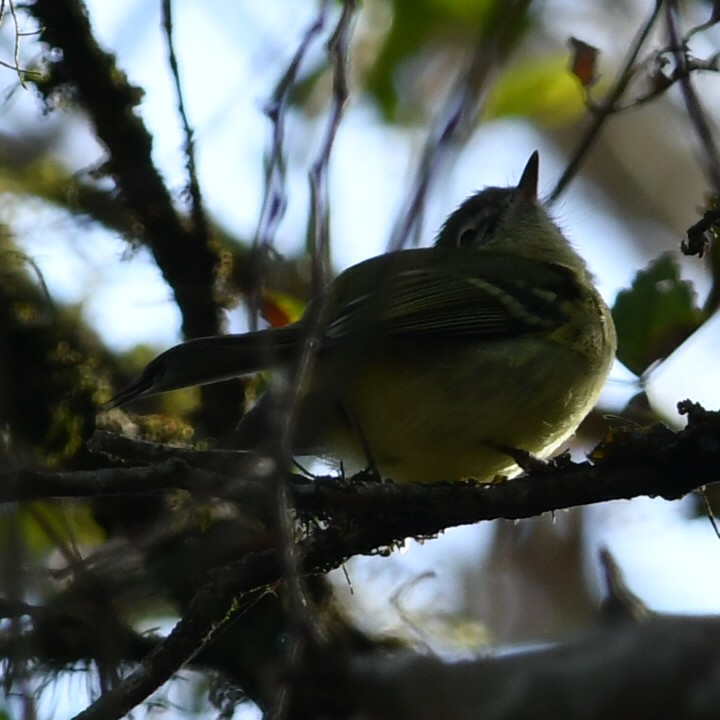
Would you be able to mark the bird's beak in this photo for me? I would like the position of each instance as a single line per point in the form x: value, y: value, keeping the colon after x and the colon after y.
x: 137, y: 389
x: 526, y: 190
x: 149, y: 383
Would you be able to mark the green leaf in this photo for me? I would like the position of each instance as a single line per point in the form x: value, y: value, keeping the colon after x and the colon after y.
x: 463, y: 11
x: 656, y: 315
x: 543, y: 89
x: 413, y: 27
x: 45, y: 526
x: 422, y: 32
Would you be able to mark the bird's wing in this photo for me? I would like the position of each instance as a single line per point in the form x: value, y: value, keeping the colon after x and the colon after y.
x: 490, y: 299
x: 423, y: 294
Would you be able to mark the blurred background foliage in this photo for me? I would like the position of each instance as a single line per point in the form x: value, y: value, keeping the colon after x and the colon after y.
x: 82, y: 301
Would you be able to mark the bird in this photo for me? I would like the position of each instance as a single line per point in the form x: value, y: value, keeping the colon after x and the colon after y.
x: 439, y: 364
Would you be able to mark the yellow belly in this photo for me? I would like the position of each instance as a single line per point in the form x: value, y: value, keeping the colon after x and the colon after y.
x: 444, y: 420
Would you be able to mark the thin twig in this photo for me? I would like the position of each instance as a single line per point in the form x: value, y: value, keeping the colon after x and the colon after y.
x: 16, y: 47
x: 706, y: 137
x: 319, y: 225
x: 22, y: 73
x: 457, y: 119
x: 274, y: 200
x: 709, y: 511
x: 304, y: 625
x: 272, y: 211
x: 319, y: 235
x: 714, y: 19
x: 696, y: 113
x: 206, y: 616
x: 608, y: 106
x: 14, y: 572
x: 661, y: 84
x: 197, y: 211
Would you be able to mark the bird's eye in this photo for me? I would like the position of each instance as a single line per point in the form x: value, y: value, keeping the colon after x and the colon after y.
x: 476, y: 222
x: 478, y: 233
x: 467, y: 236
x: 485, y: 226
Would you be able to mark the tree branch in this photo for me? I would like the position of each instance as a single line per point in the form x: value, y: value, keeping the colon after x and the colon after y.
x: 181, y: 252
x: 664, y: 669
x: 361, y: 519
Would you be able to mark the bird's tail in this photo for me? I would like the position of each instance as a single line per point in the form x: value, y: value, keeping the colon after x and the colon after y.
x: 211, y: 359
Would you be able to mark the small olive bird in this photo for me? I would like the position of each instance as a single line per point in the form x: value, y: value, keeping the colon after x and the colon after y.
x: 436, y: 364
